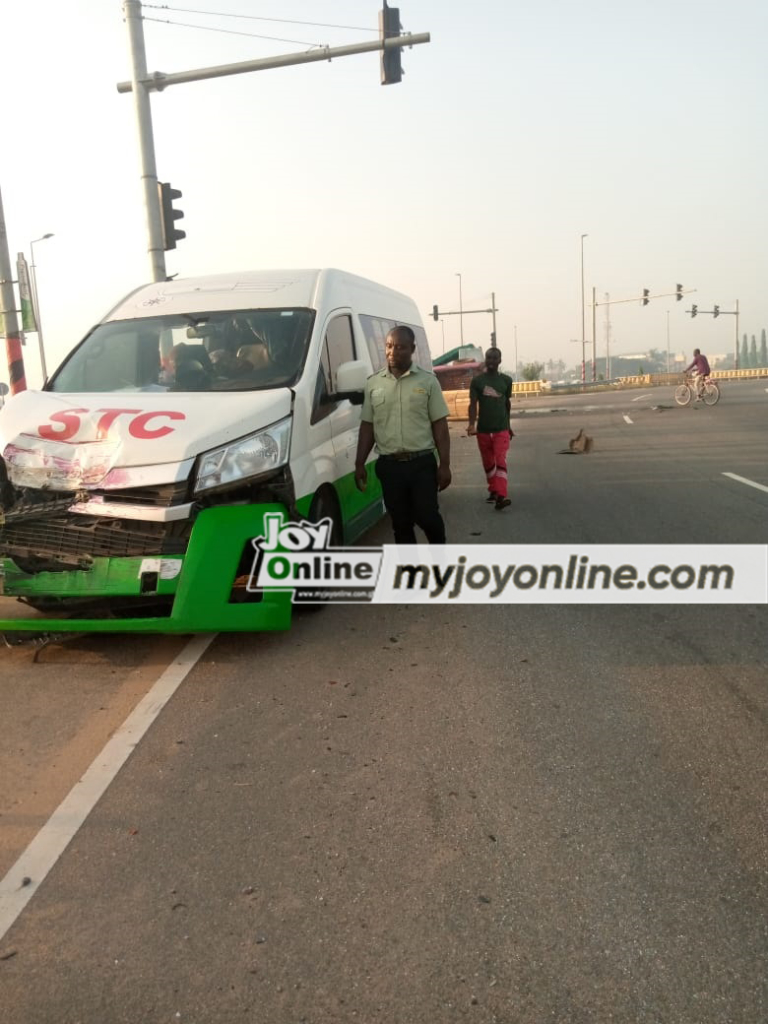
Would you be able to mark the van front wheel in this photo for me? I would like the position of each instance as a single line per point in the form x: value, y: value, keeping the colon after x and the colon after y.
x: 325, y: 505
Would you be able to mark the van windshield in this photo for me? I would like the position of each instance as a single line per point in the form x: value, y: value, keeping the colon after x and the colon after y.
x: 241, y: 350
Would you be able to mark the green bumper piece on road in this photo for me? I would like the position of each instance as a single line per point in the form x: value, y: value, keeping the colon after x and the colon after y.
x: 201, y: 591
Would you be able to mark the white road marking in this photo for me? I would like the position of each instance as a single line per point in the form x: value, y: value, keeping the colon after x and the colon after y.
x: 743, y: 479
x: 641, y: 397
x: 627, y: 419
x: 22, y: 881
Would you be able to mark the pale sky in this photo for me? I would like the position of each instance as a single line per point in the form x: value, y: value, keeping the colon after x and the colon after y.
x: 518, y: 128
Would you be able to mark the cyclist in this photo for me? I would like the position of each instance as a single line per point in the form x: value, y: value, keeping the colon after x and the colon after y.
x: 701, y: 371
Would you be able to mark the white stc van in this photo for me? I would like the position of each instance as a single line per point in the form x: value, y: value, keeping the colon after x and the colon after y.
x: 133, y: 483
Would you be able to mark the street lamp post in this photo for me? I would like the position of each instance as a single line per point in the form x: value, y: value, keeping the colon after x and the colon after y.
x: 583, y: 340
x: 667, y: 341
x: 36, y: 304
x: 461, y: 312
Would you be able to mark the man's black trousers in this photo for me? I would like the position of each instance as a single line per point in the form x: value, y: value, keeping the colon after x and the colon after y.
x: 410, y: 496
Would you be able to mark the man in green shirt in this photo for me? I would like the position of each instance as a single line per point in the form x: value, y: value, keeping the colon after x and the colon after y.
x: 405, y: 415
x: 491, y: 392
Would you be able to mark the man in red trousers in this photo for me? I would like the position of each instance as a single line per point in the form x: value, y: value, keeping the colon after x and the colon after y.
x: 491, y: 393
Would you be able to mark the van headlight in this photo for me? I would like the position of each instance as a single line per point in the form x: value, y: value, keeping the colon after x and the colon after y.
x: 249, y: 457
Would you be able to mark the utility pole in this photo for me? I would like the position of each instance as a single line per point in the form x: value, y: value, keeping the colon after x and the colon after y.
x: 607, y: 336
x: 493, y: 307
x: 461, y: 313
x: 18, y: 380
x: 594, y: 335
x: 583, y: 342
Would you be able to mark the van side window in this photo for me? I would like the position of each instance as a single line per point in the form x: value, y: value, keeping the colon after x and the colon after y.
x: 338, y: 347
x: 376, y: 329
x: 423, y: 355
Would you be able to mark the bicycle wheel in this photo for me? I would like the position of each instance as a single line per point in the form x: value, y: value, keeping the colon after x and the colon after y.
x: 682, y: 394
x: 711, y: 393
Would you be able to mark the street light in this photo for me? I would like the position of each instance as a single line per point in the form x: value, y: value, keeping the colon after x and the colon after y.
x: 583, y: 342
x: 461, y: 312
x: 36, y: 304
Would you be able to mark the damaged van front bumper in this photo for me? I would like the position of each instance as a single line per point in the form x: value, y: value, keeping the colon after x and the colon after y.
x: 192, y: 582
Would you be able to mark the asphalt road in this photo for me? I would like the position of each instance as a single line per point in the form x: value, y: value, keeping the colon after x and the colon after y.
x: 495, y: 814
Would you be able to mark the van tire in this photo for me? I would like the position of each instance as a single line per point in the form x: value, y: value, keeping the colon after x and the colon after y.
x: 325, y: 505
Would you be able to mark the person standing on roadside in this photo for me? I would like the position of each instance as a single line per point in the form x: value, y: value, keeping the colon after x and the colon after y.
x: 404, y: 414
x: 491, y: 393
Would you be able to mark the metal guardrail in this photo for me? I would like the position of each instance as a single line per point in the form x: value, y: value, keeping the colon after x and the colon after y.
x: 458, y: 401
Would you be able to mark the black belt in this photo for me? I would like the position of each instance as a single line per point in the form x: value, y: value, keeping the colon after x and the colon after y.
x: 407, y: 456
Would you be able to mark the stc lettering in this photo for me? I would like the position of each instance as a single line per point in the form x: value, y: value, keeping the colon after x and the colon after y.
x: 145, y: 426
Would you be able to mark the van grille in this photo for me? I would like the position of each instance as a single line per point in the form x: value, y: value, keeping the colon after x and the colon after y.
x: 73, y: 540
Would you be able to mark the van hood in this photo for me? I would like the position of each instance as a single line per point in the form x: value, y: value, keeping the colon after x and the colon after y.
x: 73, y: 441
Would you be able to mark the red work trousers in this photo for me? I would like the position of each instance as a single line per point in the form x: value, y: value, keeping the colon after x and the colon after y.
x: 493, y: 452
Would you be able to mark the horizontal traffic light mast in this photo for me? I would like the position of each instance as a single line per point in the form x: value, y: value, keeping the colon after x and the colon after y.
x: 158, y: 80
x: 436, y: 313
x: 646, y: 297
x: 715, y: 311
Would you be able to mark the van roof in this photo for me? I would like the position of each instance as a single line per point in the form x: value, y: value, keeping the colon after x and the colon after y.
x: 251, y: 289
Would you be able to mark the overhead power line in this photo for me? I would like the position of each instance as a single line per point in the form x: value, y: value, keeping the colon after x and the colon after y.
x: 254, y: 17
x: 232, y: 32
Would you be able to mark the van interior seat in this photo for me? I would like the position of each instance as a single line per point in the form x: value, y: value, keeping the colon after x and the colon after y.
x: 256, y: 354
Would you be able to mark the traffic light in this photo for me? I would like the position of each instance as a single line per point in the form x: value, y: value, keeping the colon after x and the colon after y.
x: 716, y: 311
x: 435, y: 314
x: 493, y: 339
x: 694, y: 311
x: 679, y: 292
x: 171, y: 234
x: 646, y: 293
x: 389, y: 27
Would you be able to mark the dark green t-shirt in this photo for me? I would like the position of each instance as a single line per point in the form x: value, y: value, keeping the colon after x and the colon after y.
x: 492, y: 392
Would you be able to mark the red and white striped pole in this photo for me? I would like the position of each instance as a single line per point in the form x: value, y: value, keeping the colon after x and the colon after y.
x: 17, y: 377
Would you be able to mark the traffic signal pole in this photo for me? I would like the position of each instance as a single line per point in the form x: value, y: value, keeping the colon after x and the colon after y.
x: 142, y: 84
x: 143, y: 110
x: 438, y: 314
x: 644, y: 298
x: 715, y: 312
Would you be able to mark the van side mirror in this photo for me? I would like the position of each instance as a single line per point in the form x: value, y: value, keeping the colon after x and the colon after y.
x: 350, y: 382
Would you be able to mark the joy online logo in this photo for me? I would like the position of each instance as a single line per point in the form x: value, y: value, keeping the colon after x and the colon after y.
x: 298, y: 557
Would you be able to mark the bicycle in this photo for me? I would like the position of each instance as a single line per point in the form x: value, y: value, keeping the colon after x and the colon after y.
x: 709, y: 394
